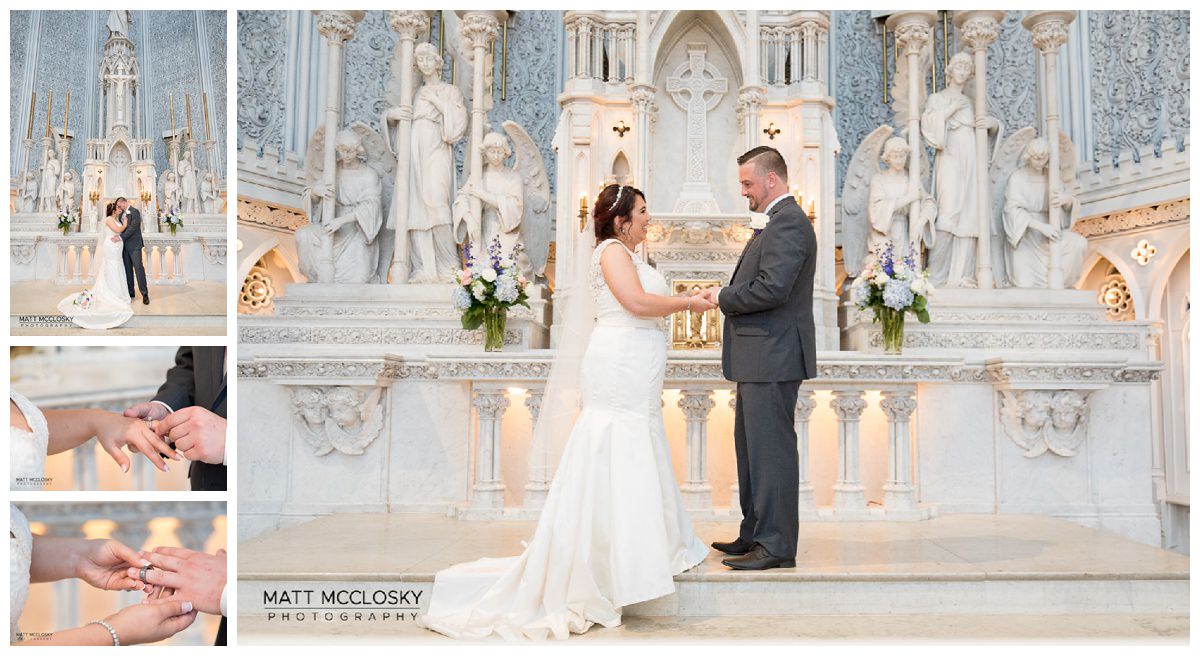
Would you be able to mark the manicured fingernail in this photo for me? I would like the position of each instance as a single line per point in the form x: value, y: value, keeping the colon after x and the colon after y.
x: 125, y: 468
x: 133, y: 571
x: 145, y: 563
x: 165, y: 468
x: 187, y: 606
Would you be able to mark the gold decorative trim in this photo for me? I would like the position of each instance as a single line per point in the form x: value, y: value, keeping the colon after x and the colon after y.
x: 280, y: 217
x: 1143, y: 217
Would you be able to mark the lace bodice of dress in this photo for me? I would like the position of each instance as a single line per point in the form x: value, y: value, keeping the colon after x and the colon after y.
x: 27, y: 449
x: 608, y: 309
x: 20, y: 554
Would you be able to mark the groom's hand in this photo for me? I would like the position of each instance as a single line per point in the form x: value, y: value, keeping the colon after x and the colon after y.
x: 198, y: 432
x: 148, y: 410
x: 711, y: 294
x: 191, y: 574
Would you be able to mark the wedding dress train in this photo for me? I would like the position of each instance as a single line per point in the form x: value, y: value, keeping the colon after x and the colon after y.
x: 106, y: 304
x: 613, y: 530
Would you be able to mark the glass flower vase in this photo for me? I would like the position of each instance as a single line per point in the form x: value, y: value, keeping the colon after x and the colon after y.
x: 893, y: 330
x: 493, y: 328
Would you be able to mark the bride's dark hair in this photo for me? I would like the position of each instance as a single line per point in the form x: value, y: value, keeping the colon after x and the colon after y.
x: 615, y: 201
x: 108, y: 209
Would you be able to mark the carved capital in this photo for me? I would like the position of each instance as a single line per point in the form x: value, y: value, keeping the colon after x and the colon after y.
x: 749, y: 102
x: 490, y: 404
x: 805, y: 404
x: 1048, y: 28
x: 408, y: 24
x: 980, y: 32
x: 911, y: 37
x: 533, y: 402
x: 696, y: 404
x: 898, y: 405
x: 478, y: 29
x: 337, y: 26
x: 848, y: 405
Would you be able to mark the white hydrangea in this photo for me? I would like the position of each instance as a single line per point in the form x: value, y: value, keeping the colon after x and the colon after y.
x: 478, y: 291
x: 489, y: 274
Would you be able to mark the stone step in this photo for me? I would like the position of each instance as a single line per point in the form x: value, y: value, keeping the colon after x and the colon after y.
x: 952, y: 565
x: 1158, y: 629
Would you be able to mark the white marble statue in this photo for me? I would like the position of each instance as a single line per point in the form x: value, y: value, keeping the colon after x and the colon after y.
x: 208, y: 193
x: 948, y: 124
x: 188, y: 189
x: 875, y: 203
x: 363, y: 165
x: 1022, y: 214
x: 118, y: 22
x: 170, y: 191
x: 513, y: 202
x: 48, y: 192
x: 440, y: 119
x: 29, y: 192
x: 65, y: 197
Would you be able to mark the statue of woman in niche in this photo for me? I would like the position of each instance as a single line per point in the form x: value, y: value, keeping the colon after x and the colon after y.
x: 1027, y: 229
x: 187, y: 184
x: 948, y: 125
x: 48, y: 193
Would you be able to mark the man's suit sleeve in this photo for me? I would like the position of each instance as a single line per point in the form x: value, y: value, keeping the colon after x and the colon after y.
x: 179, y: 390
x: 783, y: 257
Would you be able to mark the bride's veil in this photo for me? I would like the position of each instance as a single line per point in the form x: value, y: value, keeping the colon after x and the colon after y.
x: 561, y: 398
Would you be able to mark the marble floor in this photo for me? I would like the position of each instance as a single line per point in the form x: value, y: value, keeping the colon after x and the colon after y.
x: 197, y: 308
x: 902, y: 562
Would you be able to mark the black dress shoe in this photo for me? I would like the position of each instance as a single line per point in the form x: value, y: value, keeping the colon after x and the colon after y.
x: 145, y: 300
x: 758, y: 559
x: 738, y: 547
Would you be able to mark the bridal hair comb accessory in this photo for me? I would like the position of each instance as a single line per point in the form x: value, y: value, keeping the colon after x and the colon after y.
x: 111, y: 631
x: 620, y: 189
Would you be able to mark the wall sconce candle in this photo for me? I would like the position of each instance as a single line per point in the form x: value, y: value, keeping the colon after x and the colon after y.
x: 771, y: 131
x: 620, y: 128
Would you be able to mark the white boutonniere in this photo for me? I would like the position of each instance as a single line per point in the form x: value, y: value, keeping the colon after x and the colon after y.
x: 758, y: 220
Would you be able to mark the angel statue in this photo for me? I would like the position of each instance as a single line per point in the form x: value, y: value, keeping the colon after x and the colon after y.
x: 66, y: 192
x: 170, y: 191
x: 439, y: 120
x: 208, y: 193
x: 948, y: 125
x: 362, y: 179
x: 876, y: 204
x: 513, y: 203
x: 48, y: 193
x: 29, y: 189
x: 1021, y: 202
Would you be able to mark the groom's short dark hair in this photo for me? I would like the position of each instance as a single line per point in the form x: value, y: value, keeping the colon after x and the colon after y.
x: 766, y: 159
x: 121, y: 198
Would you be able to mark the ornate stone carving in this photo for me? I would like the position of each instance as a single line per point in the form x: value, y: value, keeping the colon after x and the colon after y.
x: 337, y: 26
x: 344, y: 419
x: 22, y: 252
x: 696, y: 404
x: 1115, y: 297
x: 1025, y: 340
x: 848, y: 405
x: 696, y: 87
x: 490, y: 405
x: 805, y: 404
x: 1049, y: 36
x: 1011, y: 98
x: 749, y: 102
x: 269, y: 215
x: 1044, y: 420
x: 261, y: 57
x: 368, y: 335
x: 1176, y: 211
x: 642, y: 99
x: 898, y: 405
x: 213, y: 249
x: 258, y: 292
x: 861, y: 105
x: 979, y: 32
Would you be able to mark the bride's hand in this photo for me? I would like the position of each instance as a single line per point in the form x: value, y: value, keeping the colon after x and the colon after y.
x: 153, y: 621
x: 122, y: 431
x: 104, y: 564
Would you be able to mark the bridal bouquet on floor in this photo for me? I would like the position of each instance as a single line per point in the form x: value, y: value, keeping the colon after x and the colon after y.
x: 892, y: 287
x: 486, y: 289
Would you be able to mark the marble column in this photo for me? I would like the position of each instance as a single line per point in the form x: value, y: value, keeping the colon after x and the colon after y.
x: 913, y: 30
x: 539, y: 471
x: 1049, y: 30
x: 488, y: 491
x: 409, y: 25
x: 980, y: 29
x: 898, y: 491
x: 66, y: 591
x: 749, y: 109
x: 848, y: 405
x: 805, y: 404
x: 477, y: 31
x: 83, y: 461
x: 337, y: 27
x: 645, y: 113
x: 696, y: 405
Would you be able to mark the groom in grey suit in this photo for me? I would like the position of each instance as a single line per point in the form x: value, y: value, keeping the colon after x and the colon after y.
x: 131, y: 255
x: 769, y: 348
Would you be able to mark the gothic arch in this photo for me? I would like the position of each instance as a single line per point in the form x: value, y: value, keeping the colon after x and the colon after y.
x: 723, y: 25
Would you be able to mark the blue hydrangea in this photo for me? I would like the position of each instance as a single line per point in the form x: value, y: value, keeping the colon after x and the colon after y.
x: 506, y: 289
x: 897, y: 294
x: 860, y: 294
x: 461, y: 298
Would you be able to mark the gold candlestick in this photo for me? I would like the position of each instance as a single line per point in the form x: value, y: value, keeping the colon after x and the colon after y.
x: 67, y: 114
x: 49, y: 106
x: 32, y: 106
x: 187, y: 104
x: 204, y: 100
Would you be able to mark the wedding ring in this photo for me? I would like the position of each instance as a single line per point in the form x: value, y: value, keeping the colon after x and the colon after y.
x: 142, y: 572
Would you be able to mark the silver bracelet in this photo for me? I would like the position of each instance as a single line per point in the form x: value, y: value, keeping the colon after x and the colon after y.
x: 111, y: 631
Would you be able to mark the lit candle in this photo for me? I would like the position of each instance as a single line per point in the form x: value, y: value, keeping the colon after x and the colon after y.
x: 204, y: 100
x: 67, y: 114
x: 172, y: 116
x: 49, y: 105
x: 187, y: 105
x: 32, y: 105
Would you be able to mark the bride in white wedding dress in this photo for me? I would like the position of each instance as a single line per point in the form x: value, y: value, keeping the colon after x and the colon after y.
x: 106, y: 304
x: 613, y: 530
